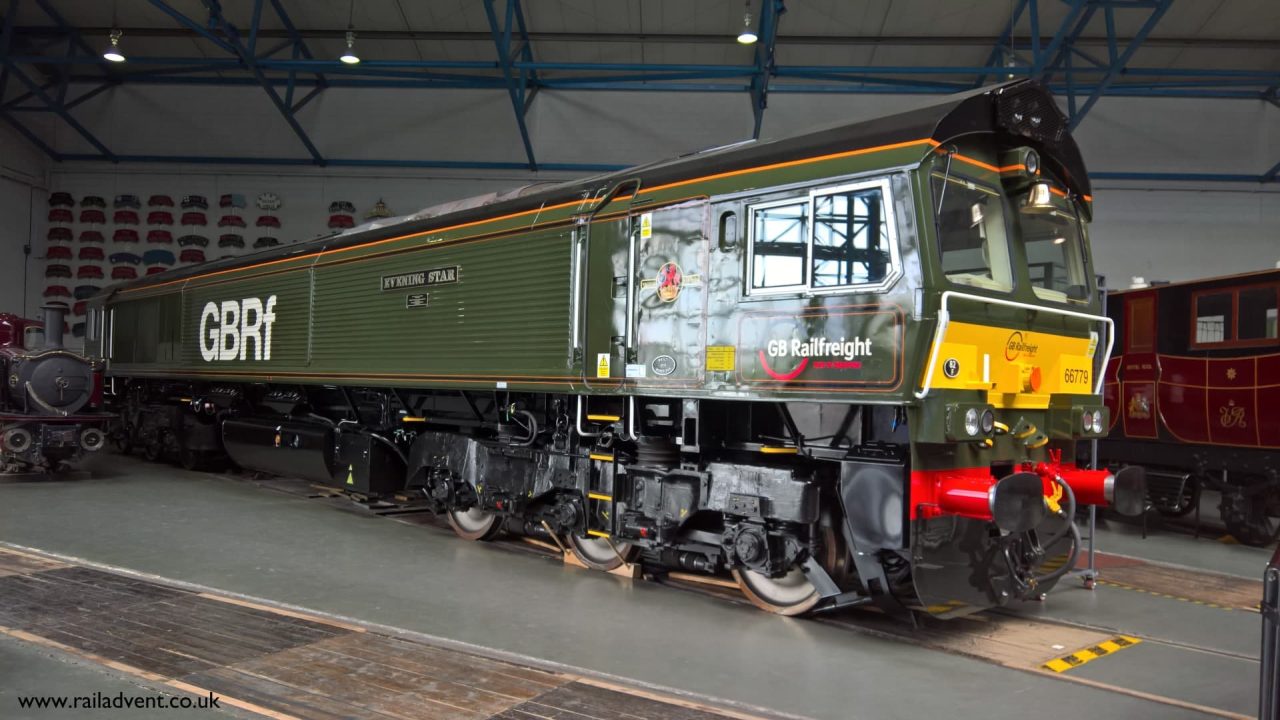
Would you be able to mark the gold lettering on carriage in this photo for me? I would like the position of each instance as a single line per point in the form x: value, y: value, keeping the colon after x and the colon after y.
x: 1232, y: 416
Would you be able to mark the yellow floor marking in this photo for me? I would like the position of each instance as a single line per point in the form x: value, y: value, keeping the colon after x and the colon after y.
x: 1122, y: 586
x: 1089, y: 654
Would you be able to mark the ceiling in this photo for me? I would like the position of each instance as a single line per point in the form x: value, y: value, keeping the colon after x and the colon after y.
x: 1228, y: 49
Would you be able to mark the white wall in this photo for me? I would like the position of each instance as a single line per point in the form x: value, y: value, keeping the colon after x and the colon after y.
x: 1170, y: 231
x: 23, y: 188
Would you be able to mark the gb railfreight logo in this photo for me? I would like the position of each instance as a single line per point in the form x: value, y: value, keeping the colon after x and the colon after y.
x: 229, y: 329
x: 826, y: 354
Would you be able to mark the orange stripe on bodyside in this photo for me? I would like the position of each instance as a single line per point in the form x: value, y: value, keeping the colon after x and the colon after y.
x: 535, y: 211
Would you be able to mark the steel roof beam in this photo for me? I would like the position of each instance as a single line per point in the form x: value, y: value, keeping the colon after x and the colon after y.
x: 74, y: 38
x: 56, y: 34
x: 35, y: 139
x: 1272, y: 174
x: 57, y: 108
x: 1119, y: 61
x: 502, y: 43
x: 1003, y: 43
x: 237, y: 46
x: 194, y: 26
x: 766, y: 39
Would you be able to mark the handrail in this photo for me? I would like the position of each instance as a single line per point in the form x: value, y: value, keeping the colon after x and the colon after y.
x: 944, y: 319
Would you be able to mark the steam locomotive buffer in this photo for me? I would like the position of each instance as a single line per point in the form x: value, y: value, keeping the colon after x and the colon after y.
x: 51, y: 403
x: 822, y: 365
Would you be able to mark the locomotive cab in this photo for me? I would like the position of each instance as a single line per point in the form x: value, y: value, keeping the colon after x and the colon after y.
x: 1011, y: 379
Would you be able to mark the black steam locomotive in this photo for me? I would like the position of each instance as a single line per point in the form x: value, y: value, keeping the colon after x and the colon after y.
x: 50, y: 403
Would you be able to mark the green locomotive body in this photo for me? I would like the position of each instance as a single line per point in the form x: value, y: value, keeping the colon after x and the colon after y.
x: 843, y: 366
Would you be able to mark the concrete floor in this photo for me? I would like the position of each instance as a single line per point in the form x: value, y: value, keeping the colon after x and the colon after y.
x: 1180, y: 547
x: 241, y: 538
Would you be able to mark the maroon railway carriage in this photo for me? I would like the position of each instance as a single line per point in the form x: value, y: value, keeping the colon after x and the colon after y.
x: 1194, y: 394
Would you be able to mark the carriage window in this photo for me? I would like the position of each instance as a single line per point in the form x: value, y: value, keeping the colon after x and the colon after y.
x: 1257, y: 314
x: 779, y: 245
x: 850, y: 238
x: 1213, y: 318
x: 971, y: 233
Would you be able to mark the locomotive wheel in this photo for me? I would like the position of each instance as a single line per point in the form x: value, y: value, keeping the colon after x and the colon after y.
x: 793, y: 594
x: 475, y: 524
x: 153, y: 449
x: 1246, y: 514
x: 189, y: 459
x: 596, y: 552
x: 121, y: 437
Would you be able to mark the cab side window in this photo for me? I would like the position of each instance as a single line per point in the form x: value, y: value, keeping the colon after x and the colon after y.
x: 779, y: 246
x: 834, y: 238
x: 850, y: 238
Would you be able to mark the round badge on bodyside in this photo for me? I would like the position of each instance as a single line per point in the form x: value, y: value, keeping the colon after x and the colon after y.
x: 663, y: 365
x: 951, y: 367
x: 669, y: 280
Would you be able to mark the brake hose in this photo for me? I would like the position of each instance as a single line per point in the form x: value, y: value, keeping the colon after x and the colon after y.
x: 1070, y: 515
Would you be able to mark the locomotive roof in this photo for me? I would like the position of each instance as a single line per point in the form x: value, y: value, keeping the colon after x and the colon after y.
x: 1021, y: 111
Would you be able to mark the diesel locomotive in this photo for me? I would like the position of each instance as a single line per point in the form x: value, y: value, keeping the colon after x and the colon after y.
x: 49, y: 403
x: 844, y: 367
x: 1188, y: 391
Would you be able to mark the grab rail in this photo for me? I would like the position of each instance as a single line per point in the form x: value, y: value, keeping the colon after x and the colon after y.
x: 944, y: 319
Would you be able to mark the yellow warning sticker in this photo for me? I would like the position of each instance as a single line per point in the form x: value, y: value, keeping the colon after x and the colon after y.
x: 721, y: 357
x: 351, y: 475
x: 1089, y: 654
x: 602, y: 365
x: 646, y: 226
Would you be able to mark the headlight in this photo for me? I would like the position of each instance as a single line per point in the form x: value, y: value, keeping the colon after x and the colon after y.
x: 1032, y: 162
x: 1097, y: 422
x: 1086, y: 421
x: 971, y: 422
x: 988, y: 422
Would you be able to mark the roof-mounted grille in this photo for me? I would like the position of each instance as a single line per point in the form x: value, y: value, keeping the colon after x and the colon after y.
x: 1028, y: 110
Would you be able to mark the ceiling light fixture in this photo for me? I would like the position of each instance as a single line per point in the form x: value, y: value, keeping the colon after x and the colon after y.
x: 748, y: 34
x: 113, y: 52
x: 349, y: 57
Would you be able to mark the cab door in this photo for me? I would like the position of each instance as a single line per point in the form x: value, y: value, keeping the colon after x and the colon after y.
x: 606, y: 247
x: 669, y: 331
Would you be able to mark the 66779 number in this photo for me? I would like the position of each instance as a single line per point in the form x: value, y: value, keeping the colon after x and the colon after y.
x: 1075, y: 376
